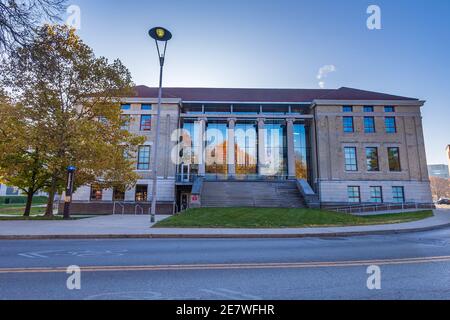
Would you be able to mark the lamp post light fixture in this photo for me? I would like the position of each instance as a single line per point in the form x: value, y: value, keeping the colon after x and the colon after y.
x: 69, y: 191
x: 161, y: 37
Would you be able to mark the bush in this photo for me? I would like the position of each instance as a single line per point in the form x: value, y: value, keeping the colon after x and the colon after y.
x: 22, y: 200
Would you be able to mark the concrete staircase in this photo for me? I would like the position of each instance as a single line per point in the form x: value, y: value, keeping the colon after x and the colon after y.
x: 263, y: 194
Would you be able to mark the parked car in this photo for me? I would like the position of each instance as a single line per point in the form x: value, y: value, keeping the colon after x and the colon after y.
x: 443, y: 201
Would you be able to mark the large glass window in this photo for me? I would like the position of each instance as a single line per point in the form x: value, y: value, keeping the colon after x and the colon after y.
x: 275, y: 154
x: 351, y: 163
x: 354, y: 194
x: 391, y: 126
x: 369, y: 124
x: 368, y: 109
x: 394, y: 159
x: 246, y: 148
x: 348, y: 124
x: 143, y: 158
x: 376, y: 194
x: 216, y: 148
x: 119, y: 193
x: 398, y: 194
x: 146, y: 123
x: 191, y: 141
x: 301, y: 151
x: 146, y: 107
x: 126, y: 107
x: 372, y: 159
x: 141, y: 193
x: 389, y: 109
x: 96, y: 193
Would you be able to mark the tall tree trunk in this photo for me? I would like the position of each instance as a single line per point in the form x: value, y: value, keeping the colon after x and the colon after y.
x: 51, y: 198
x: 27, y: 211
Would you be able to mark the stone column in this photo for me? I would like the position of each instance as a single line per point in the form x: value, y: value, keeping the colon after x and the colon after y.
x: 201, y: 148
x: 261, y: 146
x: 231, y: 148
x: 290, y: 148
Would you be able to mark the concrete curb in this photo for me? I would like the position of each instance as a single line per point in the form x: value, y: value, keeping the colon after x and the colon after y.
x: 221, y: 236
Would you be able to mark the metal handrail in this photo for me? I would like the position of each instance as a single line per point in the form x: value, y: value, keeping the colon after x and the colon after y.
x: 136, y: 207
x: 121, y: 205
x: 382, y: 207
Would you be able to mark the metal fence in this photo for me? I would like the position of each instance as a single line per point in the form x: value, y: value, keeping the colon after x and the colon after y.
x: 382, y: 207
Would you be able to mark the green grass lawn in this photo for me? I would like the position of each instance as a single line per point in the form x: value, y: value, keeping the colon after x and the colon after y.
x: 279, y: 218
x: 18, y: 209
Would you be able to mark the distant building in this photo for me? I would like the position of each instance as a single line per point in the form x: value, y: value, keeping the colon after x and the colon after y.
x: 8, y: 191
x: 438, y: 170
x: 448, y: 156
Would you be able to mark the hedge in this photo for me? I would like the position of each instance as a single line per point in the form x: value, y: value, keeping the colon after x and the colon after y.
x: 22, y: 200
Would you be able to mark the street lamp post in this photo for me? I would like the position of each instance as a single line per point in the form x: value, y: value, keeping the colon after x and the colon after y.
x: 161, y: 36
x: 69, y: 190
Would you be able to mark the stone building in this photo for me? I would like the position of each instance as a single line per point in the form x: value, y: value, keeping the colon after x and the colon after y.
x: 271, y: 147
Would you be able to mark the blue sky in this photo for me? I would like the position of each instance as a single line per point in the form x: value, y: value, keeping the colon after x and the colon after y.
x: 282, y: 44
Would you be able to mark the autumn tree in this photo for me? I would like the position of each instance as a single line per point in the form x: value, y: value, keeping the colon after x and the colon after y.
x: 22, y: 156
x: 72, y: 100
x: 440, y: 187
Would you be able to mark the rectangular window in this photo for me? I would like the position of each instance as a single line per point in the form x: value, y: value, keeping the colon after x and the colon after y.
x: 398, y: 194
x: 394, y: 159
x: 141, y: 193
x: 119, y: 194
x: 376, y: 194
x: 347, y: 109
x: 369, y: 124
x: 144, y: 158
x: 368, y: 109
x: 354, y: 195
x: 146, y: 123
x: 389, y: 109
x: 391, y: 125
x: 372, y: 159
x: 348, y: 124
x: 126, y: 107
x: 96, y: 193
x: 125, y: 118
x: 146, y: 107
x: 351, y: 163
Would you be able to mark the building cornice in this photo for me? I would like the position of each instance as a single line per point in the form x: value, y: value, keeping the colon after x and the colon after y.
x: 415, y: 103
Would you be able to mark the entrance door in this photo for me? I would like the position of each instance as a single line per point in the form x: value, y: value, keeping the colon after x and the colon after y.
x: 185, y: 173
x: 184, y: 201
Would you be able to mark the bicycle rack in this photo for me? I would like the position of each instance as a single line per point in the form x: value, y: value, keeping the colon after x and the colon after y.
x: 119, y: 204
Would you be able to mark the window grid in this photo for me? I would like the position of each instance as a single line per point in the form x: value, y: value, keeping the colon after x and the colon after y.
x: 347, y: 109
x: 376, y: 194
x: 146, y: 123
x: 354, y: 194
x: 348, y: 124
x: 144, y: 158
x: 391, y: 125
x: 372, y: 159
x: 351, y: 163
x: 394, y: 159
x: 398, y: 194
x: 369, y: 124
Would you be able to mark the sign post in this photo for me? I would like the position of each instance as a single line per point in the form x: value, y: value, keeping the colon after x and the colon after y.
x: 69, y: 190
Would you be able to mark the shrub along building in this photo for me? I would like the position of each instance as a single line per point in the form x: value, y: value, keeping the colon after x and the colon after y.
x: 271, y: 147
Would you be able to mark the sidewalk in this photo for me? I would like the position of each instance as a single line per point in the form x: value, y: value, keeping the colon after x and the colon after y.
x: 138, y: 227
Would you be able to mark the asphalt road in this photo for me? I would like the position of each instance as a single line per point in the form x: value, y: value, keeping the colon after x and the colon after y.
x: 413, y: 266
